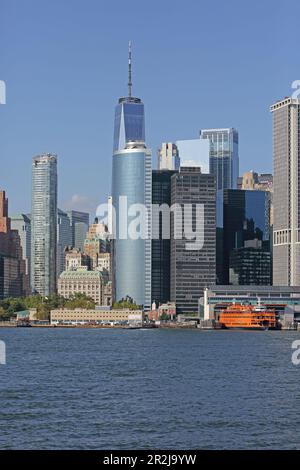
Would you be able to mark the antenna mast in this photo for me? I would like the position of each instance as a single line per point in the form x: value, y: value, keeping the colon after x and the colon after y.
x: 129, y: 70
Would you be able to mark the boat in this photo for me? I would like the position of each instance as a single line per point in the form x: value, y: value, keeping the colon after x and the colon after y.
x: 248, y: 317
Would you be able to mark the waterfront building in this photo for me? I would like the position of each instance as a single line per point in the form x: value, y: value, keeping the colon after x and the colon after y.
x: 75, y: 259
x: 44, y: 224
x: 161, y: 263
x: 131, y: 181
x: 217, y: 298
x: 286, y: 162
x: 14, y: 280
x: 223, y: 156
x: 79, y: 225
x: 22, y: 224
x: 194, y: 153
x: 86, y: 316
x: 168, y: 157
x: 64, y: 238
x: 245, y: 219
x: 193, y: 263
x: 250, y: 264
x: 81, y: 281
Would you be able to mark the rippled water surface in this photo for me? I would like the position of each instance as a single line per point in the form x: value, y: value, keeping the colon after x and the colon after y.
x: 118, y: 389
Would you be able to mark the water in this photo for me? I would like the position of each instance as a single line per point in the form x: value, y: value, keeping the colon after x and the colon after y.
x: 117, y: 389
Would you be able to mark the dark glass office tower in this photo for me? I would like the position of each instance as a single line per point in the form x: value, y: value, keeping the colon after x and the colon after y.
x: 160, y: 270
x: 192, y: 269
x: 246, y: 231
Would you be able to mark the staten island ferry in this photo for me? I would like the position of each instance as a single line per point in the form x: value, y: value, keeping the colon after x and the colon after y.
x: 249, y: 317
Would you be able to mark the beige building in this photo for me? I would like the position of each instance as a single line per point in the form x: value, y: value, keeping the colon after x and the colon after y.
x: 81, y: 281
x: 168, y: 157
x: 80, y: 315
x: 74, y: 259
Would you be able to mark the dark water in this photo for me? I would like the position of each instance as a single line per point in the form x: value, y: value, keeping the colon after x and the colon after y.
x: 97, y: 389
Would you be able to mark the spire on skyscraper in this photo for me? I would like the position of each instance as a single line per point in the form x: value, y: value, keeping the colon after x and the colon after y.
x: 129, y: 70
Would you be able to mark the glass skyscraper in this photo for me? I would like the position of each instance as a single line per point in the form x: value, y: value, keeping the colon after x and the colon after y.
x: 246, y: 220
x: 131, y: 179
x: 223, y: 156
x: 44, y: 224
x: 129, y: 122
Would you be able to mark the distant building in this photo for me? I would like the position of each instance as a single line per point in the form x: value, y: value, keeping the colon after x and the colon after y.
x: 44, y: 224
x: 22, y: 223
x: 81, y: 281
x: 192, y: 269
x: 286, y: 163
x: 14, y: 281
x: 64, y: 238
x: 79, y: 224
x: 223, y: 156
x: 75, y: 259
x: 194, y: 153
x: 97, y: 241
x: 254, y: 181
x: 168, y: 157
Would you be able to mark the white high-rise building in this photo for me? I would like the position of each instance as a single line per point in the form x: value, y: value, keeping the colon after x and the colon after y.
x: 44, y: 224
x: 168, y: 157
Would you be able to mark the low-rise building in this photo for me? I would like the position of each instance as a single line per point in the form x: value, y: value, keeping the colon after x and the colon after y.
x: 85, y: 316
x: 81, y: 281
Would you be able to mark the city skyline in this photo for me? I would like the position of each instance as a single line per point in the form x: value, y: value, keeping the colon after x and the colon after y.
x: 42, y: 116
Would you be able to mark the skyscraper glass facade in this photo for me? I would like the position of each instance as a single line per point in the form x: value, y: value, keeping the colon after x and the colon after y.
x: 132, y: 177
x: 245, y: 218
x: 129, y: 122
x: 44, y: 224
x: 223, y: 156
x: 161, y: 264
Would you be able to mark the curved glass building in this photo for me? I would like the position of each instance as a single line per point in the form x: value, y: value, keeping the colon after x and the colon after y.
x: 131, y: 184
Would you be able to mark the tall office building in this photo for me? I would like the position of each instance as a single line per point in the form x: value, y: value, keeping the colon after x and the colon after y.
x: 223, y: 156
x: 286, y: 195
x: 132, y: 257
x: 64, y: 239
x: 131, y: 179
x: 129, y: 117
x: 44, y: 224
x: 246, y: 232
x: 22, y: 223
x: 79, y: 226
x: 161, y: 267
x: 168, y: 157
x: 14, y: 282
x: 192, y: 269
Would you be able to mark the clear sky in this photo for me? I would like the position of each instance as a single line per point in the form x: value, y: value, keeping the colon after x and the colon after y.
x: 196, y: 65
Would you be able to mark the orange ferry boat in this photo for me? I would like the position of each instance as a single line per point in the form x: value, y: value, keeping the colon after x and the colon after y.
x: 252, y: 317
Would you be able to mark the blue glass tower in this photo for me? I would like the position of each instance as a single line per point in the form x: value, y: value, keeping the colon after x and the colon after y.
x: 129, y: 117
x: 131, y: 180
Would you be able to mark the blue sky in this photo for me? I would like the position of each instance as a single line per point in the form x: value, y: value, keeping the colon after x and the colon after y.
x: 195, y: 65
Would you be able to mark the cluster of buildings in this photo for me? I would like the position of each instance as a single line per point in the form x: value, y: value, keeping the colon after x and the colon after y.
x: 250, y: 232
